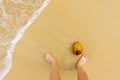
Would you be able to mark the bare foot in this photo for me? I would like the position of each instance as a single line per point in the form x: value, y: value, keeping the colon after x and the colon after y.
x: 82, y: 60
x: 49, y: 58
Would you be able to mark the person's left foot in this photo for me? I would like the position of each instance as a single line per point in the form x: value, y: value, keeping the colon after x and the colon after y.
x: 49, y: 58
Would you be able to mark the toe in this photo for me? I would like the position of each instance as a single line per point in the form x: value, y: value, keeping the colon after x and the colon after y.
x: 82, y: 60
x: 49, y: 58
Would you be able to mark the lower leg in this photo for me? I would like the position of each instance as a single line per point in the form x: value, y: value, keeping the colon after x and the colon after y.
x: 54, y: 75
x: 81, y: 73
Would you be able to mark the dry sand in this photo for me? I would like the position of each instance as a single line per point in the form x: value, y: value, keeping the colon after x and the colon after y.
x: 96, y: 24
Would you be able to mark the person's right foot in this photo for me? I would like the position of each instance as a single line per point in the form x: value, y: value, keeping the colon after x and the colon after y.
x: 82, y: 60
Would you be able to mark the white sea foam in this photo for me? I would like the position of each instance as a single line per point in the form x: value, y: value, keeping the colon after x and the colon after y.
x: 15, y: 17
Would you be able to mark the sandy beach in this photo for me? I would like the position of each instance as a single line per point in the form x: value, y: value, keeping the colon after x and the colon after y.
x: 96, y: 24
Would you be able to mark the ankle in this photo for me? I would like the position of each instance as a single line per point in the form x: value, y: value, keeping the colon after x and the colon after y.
x: 78, y: 65
x: 54, y: 64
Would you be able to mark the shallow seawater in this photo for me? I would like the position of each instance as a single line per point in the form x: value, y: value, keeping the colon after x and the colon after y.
x: 15, y: 17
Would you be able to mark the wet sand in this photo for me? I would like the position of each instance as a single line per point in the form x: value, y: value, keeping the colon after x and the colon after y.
x: 94, y: 23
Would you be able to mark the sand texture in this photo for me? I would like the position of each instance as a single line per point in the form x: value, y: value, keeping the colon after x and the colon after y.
x: 95, y: 23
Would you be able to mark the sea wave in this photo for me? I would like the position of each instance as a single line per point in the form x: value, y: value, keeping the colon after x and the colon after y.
x: 15, y: 17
